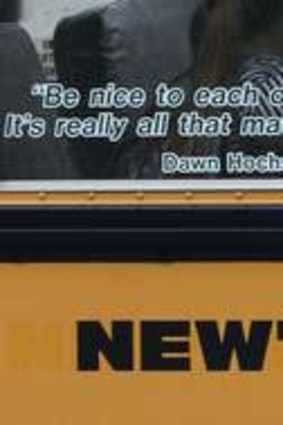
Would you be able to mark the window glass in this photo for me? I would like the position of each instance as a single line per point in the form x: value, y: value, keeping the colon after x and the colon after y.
x: 149, y: 91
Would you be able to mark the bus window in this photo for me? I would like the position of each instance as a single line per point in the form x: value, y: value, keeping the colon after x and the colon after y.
x: 141, y: 94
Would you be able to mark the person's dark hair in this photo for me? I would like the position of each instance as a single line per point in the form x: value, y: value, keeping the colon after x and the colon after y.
x: 225, y: 34
x: 225, y: 30
x: 10, y: 10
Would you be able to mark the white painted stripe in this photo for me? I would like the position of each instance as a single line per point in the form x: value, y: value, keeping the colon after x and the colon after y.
x: 127, y: 186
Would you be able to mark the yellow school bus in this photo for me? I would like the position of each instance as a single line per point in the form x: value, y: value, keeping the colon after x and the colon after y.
x: 141, y: 212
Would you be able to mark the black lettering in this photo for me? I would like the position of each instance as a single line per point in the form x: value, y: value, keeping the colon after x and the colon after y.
x: 93, y: 340
x: 250, y: 353
x: 159, y: 351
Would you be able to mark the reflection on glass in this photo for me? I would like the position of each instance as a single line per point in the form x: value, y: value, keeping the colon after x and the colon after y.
x: 141, y: 90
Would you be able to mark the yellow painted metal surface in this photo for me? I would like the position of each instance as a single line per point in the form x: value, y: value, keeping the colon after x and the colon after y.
x: 141, y: 198
x: 41, y: 304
